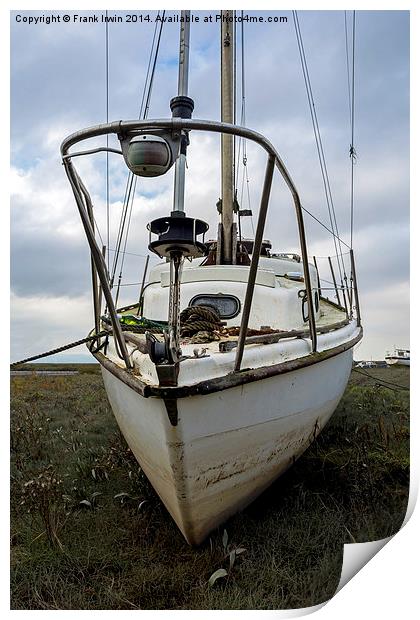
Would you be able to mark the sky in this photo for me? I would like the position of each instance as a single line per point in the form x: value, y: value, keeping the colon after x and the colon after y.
x: 58, y: 85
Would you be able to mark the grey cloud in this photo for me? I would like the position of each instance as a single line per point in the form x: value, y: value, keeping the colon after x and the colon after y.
x: 58, y: 86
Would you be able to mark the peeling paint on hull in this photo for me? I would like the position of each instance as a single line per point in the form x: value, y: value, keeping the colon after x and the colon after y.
x: 228, y: 446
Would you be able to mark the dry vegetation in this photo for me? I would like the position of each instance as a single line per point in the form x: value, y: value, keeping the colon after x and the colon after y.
x: 88, y: 531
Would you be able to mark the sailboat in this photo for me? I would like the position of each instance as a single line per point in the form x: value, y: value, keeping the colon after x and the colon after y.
x: 232, y: 361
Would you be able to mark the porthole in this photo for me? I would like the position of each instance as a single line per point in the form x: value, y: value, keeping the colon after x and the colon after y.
x: 228, y: 306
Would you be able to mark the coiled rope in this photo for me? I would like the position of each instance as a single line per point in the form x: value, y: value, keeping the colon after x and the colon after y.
x: 201, y: 324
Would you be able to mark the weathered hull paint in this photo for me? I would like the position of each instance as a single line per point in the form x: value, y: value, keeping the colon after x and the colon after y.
x: 227, y: 446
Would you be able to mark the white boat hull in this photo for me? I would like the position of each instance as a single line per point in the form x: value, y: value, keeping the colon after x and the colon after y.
x: 400, y: 361
x: 227, y: 446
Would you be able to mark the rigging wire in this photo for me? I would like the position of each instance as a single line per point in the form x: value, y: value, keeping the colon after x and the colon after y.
x: 326, y: 228
x: 130, y: 176
x: 121, y: 227
x: 314, y: 118
x: 143, y: 113
x: 242, y: 117
x: 331, y: 256
x: 145, y: 105
x: 146, y: 110
x: 352, y: 149
x: 125, y: 247
x: 148, y: 71
x: 242, y: 144
x: 242, y: 141
x: 347, y: 63
x: 130, y: 253
x: 320, y: 149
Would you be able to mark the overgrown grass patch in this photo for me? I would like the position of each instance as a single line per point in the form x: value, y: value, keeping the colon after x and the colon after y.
x: 89, y: 532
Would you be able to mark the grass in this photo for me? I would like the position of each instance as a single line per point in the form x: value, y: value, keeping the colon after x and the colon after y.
x: 89, y: 532
x: 80, y: 368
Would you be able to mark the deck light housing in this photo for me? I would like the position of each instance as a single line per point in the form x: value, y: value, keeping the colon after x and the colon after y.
x: 149, y: 155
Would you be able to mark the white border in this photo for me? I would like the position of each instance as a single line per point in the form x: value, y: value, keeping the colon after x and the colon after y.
x: 387, y: 586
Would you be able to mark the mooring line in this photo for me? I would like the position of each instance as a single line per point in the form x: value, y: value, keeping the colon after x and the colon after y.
x: 385, y: 383
x: 60, y: 349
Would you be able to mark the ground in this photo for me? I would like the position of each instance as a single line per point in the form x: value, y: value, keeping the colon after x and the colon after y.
x: 89, y: 532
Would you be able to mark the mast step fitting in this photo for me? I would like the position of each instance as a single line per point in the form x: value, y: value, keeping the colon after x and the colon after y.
x: 178, y: 234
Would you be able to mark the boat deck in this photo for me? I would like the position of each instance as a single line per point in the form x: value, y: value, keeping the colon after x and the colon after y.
x: 330, y: 313
x: 331, y: 317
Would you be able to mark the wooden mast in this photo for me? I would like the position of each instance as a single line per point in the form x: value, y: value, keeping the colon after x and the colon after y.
x: 227, y: 51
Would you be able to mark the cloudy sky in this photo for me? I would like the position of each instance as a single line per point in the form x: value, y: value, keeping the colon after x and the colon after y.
x: 58, y: 86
